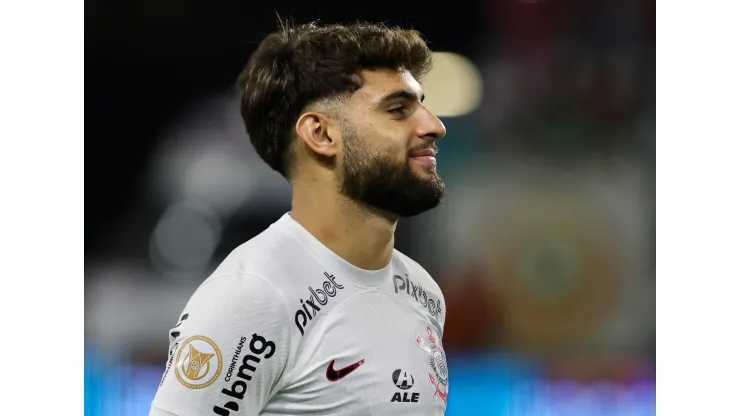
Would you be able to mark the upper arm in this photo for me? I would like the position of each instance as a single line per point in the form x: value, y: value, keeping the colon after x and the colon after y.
x: 159, y: 412
x: 229, y: 353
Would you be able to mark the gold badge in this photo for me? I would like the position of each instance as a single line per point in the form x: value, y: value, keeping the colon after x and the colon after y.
x: 198, y: 362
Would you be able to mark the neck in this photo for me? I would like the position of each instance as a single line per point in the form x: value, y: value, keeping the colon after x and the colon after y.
x: 359, y: 234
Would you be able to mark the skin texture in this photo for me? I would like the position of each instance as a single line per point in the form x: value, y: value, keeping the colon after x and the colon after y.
x: 355, y: 173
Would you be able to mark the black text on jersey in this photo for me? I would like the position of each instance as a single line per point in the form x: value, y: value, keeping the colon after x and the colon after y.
x: 405, y: 397
x: 418, y: 293
x: 404, y: 381
x: 174, y: 333
x: 257, y: 346
x: 309, y: 307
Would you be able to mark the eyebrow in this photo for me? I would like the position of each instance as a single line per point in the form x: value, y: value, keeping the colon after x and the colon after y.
x: 401, y: 94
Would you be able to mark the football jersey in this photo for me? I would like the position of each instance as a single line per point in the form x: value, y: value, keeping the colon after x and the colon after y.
x: 286, y: 327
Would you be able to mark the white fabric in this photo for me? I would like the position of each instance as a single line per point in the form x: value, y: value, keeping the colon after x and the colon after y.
x: 262, y: 330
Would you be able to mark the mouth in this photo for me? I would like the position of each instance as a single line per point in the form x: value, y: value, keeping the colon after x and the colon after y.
x: 428, y: 152
x: 424, y: 156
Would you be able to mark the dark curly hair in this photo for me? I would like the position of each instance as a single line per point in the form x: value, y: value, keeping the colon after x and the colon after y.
x: 300, y: 65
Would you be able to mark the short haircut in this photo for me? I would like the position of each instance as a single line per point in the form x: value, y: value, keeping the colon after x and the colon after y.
x: 297, y: 66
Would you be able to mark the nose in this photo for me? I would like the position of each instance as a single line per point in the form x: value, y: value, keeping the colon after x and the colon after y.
x: 431, y: 128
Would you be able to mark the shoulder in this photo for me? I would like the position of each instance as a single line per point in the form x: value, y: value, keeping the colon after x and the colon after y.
x: 234, y: 329
x: 237, y: 287
x: 270, y: 259
x: 234, y: 305
x: 248, y: 284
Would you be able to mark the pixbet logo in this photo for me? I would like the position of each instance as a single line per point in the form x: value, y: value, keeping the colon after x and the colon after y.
x: 309, y: 307
x: 401, y: 284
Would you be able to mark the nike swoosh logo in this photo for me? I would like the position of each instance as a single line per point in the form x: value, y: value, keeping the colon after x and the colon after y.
x: 336, y: 375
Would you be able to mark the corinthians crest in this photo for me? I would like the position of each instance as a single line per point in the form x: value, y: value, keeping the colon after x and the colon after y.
x: 437, y: 364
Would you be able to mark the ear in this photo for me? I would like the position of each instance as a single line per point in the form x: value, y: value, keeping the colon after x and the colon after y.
x: 319, y: 132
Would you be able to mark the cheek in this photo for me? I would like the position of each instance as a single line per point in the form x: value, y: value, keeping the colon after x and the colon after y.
x: 393, y: 143
x: 393, y: 150
x: 388, y: 140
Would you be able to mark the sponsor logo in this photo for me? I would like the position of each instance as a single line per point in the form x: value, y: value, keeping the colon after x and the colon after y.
x: 404, y: 284
x: 235, y: 359
x: 437, y: 363
x: 174, y: 333
x: 336, y: 375
x: 198, y: 363
x: 404, y: 381
x: 259, y: 349
x: 319, y: 297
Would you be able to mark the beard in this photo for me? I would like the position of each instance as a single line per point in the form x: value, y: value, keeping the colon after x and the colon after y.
x: 384, y: 183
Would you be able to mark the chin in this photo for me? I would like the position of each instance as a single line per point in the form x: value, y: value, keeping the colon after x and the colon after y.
x: 424, y: 172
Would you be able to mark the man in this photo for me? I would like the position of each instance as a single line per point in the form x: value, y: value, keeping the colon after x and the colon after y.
x: 319, y: 315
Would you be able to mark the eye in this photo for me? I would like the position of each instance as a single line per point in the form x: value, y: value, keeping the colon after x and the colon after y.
x: 397, y: 110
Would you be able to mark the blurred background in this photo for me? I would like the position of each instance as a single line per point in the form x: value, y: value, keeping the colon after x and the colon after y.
x: 544, y: 245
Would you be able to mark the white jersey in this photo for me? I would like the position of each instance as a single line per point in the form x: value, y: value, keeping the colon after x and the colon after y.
x: 286, y: 327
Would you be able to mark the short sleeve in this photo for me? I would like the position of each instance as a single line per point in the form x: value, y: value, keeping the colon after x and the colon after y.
x: 228, y: 351
x: 442, y: 314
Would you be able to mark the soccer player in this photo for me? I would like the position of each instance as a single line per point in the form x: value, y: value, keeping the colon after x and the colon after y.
x: 319, y: 314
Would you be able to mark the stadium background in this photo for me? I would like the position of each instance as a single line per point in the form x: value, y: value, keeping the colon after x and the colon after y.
x: 544, y: 246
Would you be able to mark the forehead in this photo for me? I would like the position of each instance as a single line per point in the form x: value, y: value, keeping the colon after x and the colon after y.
x: 377, y: 84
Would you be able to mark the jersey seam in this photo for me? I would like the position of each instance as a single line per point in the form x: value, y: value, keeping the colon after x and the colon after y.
x: 319, y: 260
x: 281, y: 380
